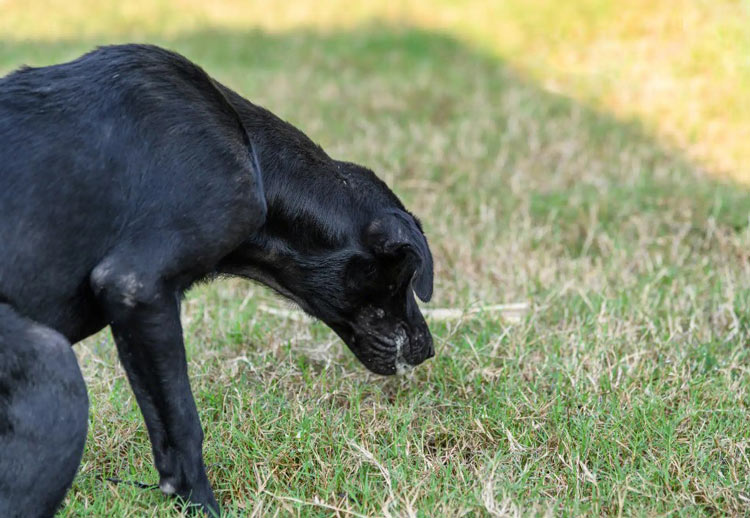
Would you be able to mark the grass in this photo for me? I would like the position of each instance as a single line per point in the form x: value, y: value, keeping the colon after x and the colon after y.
x: 624, y: 391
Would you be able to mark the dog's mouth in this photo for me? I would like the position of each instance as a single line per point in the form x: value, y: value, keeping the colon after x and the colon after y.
x: 384, y: 354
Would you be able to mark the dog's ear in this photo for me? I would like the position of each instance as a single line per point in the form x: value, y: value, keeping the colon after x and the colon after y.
x: 398, y: 236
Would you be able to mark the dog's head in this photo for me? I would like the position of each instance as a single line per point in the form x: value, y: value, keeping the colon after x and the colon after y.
x: 347, y: 252
x: 381, y: 321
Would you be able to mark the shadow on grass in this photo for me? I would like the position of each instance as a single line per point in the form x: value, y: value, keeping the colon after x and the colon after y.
x: 357, y: 90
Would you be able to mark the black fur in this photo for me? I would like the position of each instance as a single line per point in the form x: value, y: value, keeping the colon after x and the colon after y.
x: 126, y: 176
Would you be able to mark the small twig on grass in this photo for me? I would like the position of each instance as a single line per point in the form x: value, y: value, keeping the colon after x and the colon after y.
x: 512, y: 312
x: 371, y: 459
x: 297, y: 316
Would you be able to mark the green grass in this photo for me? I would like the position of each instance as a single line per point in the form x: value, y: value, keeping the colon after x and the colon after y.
x: 625, y: 389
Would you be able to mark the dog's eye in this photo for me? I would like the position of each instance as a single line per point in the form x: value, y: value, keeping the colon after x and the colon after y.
x: 361, y: 272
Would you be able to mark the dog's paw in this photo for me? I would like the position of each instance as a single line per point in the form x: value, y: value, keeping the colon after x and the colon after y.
x: 167, y: 487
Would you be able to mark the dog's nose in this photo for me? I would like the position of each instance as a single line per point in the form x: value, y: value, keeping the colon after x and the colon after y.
x: 429, y: 347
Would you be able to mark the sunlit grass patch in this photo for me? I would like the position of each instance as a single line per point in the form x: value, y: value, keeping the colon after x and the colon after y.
x: 680, y: 66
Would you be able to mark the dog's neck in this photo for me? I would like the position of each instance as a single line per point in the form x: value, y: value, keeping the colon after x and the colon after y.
x: 310, y: 203
x: 307, y: 192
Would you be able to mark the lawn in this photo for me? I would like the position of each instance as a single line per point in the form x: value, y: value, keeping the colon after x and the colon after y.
x: 625, y: 388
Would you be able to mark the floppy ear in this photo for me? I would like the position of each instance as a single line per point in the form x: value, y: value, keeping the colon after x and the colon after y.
x: 398, y: 235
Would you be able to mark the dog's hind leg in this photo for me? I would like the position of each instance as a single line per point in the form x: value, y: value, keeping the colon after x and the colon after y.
x: 43, y: 417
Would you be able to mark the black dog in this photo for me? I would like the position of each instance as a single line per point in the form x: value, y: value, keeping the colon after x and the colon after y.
x: 126, y: 176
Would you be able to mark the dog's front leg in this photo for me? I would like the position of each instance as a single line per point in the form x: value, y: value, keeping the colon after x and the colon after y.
x: 143, y: 312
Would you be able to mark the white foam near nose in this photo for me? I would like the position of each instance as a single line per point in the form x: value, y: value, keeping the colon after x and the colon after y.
x: 402, y: 366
